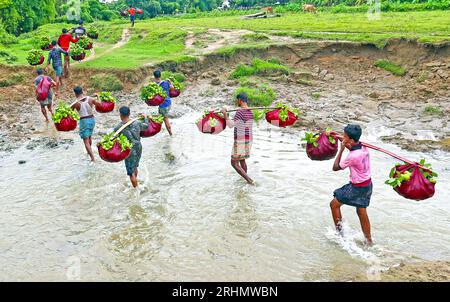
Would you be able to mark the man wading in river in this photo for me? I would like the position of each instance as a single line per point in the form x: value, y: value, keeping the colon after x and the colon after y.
x: 44, y: 93
x: 133, y: 133
x: 164, y: 108
x: 54, y: 56
x: 87, y: 121
x: 357, y: 193
x: 243, y: 135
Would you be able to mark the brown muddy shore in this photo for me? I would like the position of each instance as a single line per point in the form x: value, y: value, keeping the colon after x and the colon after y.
x: 333, y: 83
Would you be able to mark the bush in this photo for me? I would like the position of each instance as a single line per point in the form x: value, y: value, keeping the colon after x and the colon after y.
x: 106, y: 82
x: 7, y: 57
x: 259, y: 67
x: 178, y: 76
x: 12, y: 79
x: 258, y: 94
x: 389, y: 66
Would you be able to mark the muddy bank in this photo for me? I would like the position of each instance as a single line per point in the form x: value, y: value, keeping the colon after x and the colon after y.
x: 333, y: 83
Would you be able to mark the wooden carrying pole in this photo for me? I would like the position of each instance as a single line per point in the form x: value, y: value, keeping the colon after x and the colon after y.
x: 340, y: 137
x: 124, y: 126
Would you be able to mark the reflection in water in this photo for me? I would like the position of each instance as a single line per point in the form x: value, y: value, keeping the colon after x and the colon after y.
x: 242, y: 219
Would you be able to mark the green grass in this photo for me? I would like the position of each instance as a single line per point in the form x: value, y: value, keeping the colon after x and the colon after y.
x: 259, y: 67
x: 392, y: 67
x: 255, y: 37
x: 106, y: 82
x: 316, y: 95
x: 162, y: 39
x: 433, y: 110
x: 259, y: 94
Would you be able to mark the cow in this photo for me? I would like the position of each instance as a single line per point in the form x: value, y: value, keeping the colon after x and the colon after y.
x: 309, y: 8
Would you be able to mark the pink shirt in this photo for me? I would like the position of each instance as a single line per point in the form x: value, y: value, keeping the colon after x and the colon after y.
x: 358, y: 161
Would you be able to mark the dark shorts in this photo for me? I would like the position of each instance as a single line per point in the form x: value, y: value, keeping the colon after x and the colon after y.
x: 354, y: 196
x: 132, y: 161
x: 164, y: 111
x: 132, y: 17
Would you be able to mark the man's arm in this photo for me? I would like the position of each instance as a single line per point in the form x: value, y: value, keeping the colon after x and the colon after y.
x: 94, y: 99
x: 230, y: 122
x: 74, y: 40
x: 144, y: 123
x: 48, y: 61
x: 64, y: 52
x: 337, y: 161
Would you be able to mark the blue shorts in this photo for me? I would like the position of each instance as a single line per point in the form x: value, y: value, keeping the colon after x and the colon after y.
x: 132, y: 17
x: 58, y: 70
x: 354, y: 196
x: 164, y: 111
x: 132, y: 161
x: 87, y: 127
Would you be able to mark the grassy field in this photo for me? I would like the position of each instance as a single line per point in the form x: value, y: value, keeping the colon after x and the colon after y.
x: 163, y: 39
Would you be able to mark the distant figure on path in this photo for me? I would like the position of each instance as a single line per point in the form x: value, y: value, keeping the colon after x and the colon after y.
x: 79, y: 31
x: 132, y: 12
x: 44, y: 94
x: 243, y: 135
x: 358, y: 191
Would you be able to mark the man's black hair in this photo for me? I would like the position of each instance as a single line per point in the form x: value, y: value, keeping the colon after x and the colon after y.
x: 78, y: 90
x: 243, y: 97
x: 54, y: 43
x: 157, y: 74
x: 124, y: 111
x: 353, y: 131
x: 39, y: 71
x: 64, y: 30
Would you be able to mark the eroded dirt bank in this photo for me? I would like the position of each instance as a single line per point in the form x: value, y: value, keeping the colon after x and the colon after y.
x: 332, y: 83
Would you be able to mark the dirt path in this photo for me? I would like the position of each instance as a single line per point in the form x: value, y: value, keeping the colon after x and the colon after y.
x: 126, y: 35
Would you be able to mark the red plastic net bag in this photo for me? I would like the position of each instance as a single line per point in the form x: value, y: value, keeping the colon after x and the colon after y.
x: 282, y: 116
x: 114, y: 149
x: 211, y: 123
x: 154, y: 126
x: 321, y: 146
x: 413, y: 182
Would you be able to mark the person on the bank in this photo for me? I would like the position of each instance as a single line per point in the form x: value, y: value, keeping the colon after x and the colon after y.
x: 243, y: 135
x: 79, y: 31
x: 64, y: 41
x: 132, y: 12
x: 133, y: 133
x: 164, y: 108
x: 54, y: 56
x: 84, y: 106
x: 45, y: 83
x: 358, y: 191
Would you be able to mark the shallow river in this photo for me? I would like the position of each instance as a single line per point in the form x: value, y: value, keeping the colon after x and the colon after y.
x: 194, y: 219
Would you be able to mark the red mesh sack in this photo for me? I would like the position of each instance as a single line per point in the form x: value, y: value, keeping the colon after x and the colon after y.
x: 325, y: 150
x: 205, y: 127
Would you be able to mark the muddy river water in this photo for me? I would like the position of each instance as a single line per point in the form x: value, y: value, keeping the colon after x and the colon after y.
x: 194, y: 219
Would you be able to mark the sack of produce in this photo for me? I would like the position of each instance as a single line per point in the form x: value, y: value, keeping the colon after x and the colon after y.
x: 35, y: 57
x: 114, y: 149
x: 77, y: 52
x: 153, y: 94
x: 124, y: 13
x: 321, y: 146
x: 107, y: 102
x: 92, y: 32
x: 45, y: 43
x: 413, y: 182
x: 282, y: 116
x: 212, y: 123
x: 177, y: 87
x: 139, y: 11
x: 65, y: 118
x: 154, y: 126
x: 85, y: 43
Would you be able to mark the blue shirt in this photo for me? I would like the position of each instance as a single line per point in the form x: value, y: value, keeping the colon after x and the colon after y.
x: 165, y: 85
x: 55, y: 56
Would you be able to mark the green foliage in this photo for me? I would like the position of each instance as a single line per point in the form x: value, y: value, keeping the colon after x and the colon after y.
x: 259, y: 67
x: 7, y: 57
x: 311, y: 138
x: 316, y: 95
x: 12, y: 79
x: 157, y: 118
x: 64, y: 111
x: 255, y: 37
x: 433, y: 110
x: 92, y: 30
x: 389, y: 66
x: 108, y: 82
x: 260, y: 95
x: 83, y: 42
x: 108, y: 141
x: 396, y: 179
x: 176, y: 75
x: 284, y: 110
x: 43, y: 42
x: 106, y: 96
x: 151, y: 90
x: 34, y: 55
x: 76, y: 50
x: 177, y: 85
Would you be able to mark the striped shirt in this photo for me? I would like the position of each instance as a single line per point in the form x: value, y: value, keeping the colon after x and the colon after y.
x: 243, y: 129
